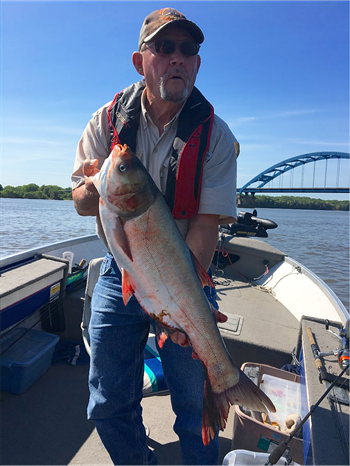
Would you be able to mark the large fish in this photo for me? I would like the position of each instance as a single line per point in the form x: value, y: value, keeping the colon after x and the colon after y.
x: 166, y: 279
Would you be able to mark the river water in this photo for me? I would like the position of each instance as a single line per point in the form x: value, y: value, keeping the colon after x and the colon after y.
x: 318, y: 239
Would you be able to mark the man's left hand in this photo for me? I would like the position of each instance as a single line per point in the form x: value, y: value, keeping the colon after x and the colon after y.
x: 181, y: 339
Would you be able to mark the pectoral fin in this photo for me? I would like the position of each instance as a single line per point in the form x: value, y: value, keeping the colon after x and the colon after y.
x: 121, y: 239
x: 127, y: 289
x: 114, y: 231
x: 202, y: 274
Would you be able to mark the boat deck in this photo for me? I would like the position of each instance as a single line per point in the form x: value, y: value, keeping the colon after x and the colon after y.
x: 47, y: 424
x: 268, y: 331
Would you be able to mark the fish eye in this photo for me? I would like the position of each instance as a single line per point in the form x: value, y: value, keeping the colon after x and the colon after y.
x: 122, y: 168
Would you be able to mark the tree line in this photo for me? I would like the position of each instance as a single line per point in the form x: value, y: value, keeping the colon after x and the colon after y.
x: 33, y: 191
x: 294, y: 202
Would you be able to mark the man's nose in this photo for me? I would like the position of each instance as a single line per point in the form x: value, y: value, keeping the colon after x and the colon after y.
x: 177, y: 58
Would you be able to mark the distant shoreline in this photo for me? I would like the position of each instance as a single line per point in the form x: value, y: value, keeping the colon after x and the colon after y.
x: 34, y: 191
x: 294, y: 202
x: 53, y: 192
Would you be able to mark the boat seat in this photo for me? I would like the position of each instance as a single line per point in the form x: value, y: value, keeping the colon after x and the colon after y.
x: 153, y: 380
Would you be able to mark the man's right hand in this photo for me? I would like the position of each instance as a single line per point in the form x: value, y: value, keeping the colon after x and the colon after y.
x: 86, y: 196
x: 89, y: 170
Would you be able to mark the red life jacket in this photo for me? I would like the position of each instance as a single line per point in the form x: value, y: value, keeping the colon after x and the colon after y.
x: 190, y: 145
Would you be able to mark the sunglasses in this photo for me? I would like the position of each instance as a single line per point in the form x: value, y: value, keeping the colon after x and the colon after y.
x: 167, y: 47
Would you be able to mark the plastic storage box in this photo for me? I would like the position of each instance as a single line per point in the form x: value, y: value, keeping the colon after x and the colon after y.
x: 253, y: 435
x: 245, y: 457
x: 25, y: 356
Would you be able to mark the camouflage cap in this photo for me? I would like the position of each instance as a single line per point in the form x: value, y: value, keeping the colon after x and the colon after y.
x: 160, y: 19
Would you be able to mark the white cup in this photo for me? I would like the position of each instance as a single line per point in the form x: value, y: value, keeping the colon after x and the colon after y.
x: 69, y: 257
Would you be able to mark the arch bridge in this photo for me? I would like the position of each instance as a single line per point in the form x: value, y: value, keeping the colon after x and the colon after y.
x: 279, y: 169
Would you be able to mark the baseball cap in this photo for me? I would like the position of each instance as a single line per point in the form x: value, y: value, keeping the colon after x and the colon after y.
x: 159, y: 19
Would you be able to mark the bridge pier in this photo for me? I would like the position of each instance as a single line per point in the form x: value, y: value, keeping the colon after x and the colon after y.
x: 246, y: 200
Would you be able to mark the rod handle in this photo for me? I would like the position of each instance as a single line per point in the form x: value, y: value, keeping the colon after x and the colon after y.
x: 314, y: 348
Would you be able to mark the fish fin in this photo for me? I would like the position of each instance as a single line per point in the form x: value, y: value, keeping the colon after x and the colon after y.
x: 121, y: 239
x: 127, y: 289
x: 162, y: 336
x: 216, y: 406
x: 202, y: 274
x: 210, y: 419
x: 113, y: 230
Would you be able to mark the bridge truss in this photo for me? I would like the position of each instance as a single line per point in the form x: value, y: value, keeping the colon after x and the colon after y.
x: 279, y: 169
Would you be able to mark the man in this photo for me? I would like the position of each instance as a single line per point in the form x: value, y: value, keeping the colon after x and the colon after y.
x: 191, y: 155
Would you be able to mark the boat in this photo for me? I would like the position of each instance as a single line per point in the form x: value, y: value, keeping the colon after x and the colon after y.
x: 273, y: 304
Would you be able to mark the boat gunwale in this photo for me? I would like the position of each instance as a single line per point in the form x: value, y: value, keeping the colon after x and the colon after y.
x: 322, y: 285
x: 35, y: 252
x: 29, y: 253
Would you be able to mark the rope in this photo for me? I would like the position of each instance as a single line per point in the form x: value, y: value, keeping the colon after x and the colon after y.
x: 224, y: 252
x: 270, y: 290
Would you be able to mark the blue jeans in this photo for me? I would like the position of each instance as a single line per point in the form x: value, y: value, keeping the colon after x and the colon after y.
x: 118, y: 335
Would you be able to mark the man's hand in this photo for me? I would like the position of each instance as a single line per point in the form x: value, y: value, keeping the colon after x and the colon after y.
x: 86, y: 196
x: 181, y: 339
x: 89, y: 170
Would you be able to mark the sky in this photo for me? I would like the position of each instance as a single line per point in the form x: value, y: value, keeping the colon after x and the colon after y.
x: 276, y: 71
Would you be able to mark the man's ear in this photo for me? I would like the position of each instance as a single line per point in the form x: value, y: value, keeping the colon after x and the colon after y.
x: 199, y: 60
x: 137, y: 60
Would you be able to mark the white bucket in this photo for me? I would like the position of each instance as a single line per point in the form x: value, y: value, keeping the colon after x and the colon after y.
x: 245, y: 457
x: 69, y: 257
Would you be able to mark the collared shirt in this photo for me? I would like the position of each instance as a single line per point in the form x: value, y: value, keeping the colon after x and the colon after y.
x: 153, y: 150
x: 218, y: 192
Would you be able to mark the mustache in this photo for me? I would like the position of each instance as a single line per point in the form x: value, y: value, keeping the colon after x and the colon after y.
x: 175, y: 72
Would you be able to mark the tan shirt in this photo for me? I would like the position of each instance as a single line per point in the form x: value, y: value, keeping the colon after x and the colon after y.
x: 218, y: 193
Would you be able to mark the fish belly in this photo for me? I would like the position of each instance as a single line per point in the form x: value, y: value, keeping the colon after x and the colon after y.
x: 164, y: 280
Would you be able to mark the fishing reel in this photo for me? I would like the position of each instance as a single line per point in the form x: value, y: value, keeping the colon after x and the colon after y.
x: 249, y: 225
x: 342, y: 353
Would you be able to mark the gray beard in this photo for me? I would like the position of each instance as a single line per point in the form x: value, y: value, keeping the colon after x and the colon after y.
x: 173, y: 96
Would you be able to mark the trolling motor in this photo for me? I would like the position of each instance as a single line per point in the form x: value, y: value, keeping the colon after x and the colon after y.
x: 249, y: 225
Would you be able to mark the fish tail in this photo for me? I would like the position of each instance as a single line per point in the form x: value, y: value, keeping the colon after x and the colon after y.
x: 216, y: 406
x: 212, y: 416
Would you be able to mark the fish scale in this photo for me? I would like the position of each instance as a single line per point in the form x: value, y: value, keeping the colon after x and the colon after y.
x: 166, y: 279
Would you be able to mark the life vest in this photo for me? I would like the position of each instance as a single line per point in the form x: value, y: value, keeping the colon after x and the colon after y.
x: 190, y: 145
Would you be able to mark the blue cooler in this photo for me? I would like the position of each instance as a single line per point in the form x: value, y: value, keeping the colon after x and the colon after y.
x: 25, y: 356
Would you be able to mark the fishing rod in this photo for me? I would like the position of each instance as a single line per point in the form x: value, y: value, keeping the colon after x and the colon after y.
x: 281, y: 448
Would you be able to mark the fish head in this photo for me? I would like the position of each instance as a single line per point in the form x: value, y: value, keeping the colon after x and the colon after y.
x: 124, y: 184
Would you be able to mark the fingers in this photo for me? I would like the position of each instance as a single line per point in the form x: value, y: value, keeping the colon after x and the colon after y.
x: 90, y: 167
x: 89, y: 185
x: 89, y: 170
x: 219, y: 316
x: 180, y: 339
